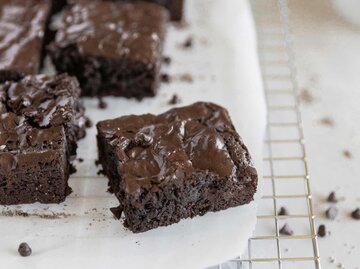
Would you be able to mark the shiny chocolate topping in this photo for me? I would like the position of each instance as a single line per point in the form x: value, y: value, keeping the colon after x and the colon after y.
x: 115, y: 30
x: 22, y: 26
x: 175, y: 145
x: 36, y: 110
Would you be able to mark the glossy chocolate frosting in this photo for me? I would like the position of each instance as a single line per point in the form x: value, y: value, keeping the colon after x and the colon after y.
x: 22, y: 29
x: 173, y: 146
x: 36, y: 111
x: 114, y: 30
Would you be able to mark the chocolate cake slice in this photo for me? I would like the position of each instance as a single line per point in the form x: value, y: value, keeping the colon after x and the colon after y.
x: 180, y: 164
x: 113, y: 48
x: 41, y: 120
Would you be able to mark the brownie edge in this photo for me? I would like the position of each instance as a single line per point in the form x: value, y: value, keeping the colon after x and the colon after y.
x: 180, y: 164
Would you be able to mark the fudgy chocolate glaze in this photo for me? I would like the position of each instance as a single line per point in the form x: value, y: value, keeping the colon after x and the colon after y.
x: 35, y: 110
x: 22, y: 30
x: 115, y: 30
x: 155, y: 150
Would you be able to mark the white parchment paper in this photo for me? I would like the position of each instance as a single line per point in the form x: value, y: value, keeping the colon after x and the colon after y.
x: 224, y: 68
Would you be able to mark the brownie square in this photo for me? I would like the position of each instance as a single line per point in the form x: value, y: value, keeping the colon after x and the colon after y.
x: 22, y: 35
x: 41, y: 120
x: 180, y: 164
x: 112, y: 48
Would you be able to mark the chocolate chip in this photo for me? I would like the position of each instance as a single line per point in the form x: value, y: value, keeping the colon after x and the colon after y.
x: 283, y: 211
x: 188, y: 43
x: 331, y: 213
x: 332, y: 197
x: 142, y: 139
x: 88, y: 122
x: 24, y: 249
x: 286, y: 230
x: 165, y: 78
x: 356, y: 214
x: 166, y: 60
x: 174, y: 100
x: 321, y: 231
x: 117, y: 211
x: 102, y: 104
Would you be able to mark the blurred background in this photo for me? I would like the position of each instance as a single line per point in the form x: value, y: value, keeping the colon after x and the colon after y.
x: 327, y: 46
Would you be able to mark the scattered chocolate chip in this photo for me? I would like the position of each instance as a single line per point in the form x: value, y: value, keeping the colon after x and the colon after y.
x: 102, y: 104
x: 186, y: 78
x: 347, y: 154
x: 166, y: 60
x: 188, y: 43
x: 322, y: 231
x: 165, y: 78
x: 331, y: 213
x: 117, y: 211
x: 285, y: 230
x: 80, y: 160
x: 356, y: 214
x: 283, y: 211
x: 306, y: 97
x: 24, y: 249
x: 88, y: 122
x: 174, y: 100
x: 332, y: 197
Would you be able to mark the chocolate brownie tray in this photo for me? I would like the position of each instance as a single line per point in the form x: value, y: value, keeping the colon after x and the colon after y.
x: 207, y: 59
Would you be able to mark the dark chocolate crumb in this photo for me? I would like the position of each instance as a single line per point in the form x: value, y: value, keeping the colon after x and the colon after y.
x: 24, y: 249
x: 286, y: 230
x: 322, y: 230
x: 326, y: 121
x: 331, y: 213
x: 80, y: 160
x: 117, y: 211
x: 356, y: 214
x: 332, y: 197
x: 100, y: 172
x: 166, y: 60
x: 283, y: 211
x: 97, y: 162
x: 306, y: 97
x: 174, y: 100
x: 72, y: 169
x: 186, y: 78
x: 102, y: 104
x: 188, y: 43
x: 88, y: 123
x: 347, y: 154
x: 165, y: 78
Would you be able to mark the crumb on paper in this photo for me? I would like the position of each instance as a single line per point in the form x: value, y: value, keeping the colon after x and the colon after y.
x: 306, y: 97
x: 21, y: 213
x: 347, y: 154
x: 186, y: 78
x: 174, y: 100
x: 181, y: 25
x: 102, y: 104
x: 327, y: 121
x: 165, y: 78
x: 188, y: 43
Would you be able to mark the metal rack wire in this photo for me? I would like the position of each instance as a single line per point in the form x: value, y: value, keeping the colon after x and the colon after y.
x: 286, y: 177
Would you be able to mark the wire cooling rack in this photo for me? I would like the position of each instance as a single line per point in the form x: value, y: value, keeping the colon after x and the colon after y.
x: 286, y: 178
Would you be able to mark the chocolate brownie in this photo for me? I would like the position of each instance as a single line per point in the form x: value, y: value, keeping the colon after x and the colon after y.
x: 41, y: 120
x: 112, y: 48
x: 180, y: 164
x: 22, y: 35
